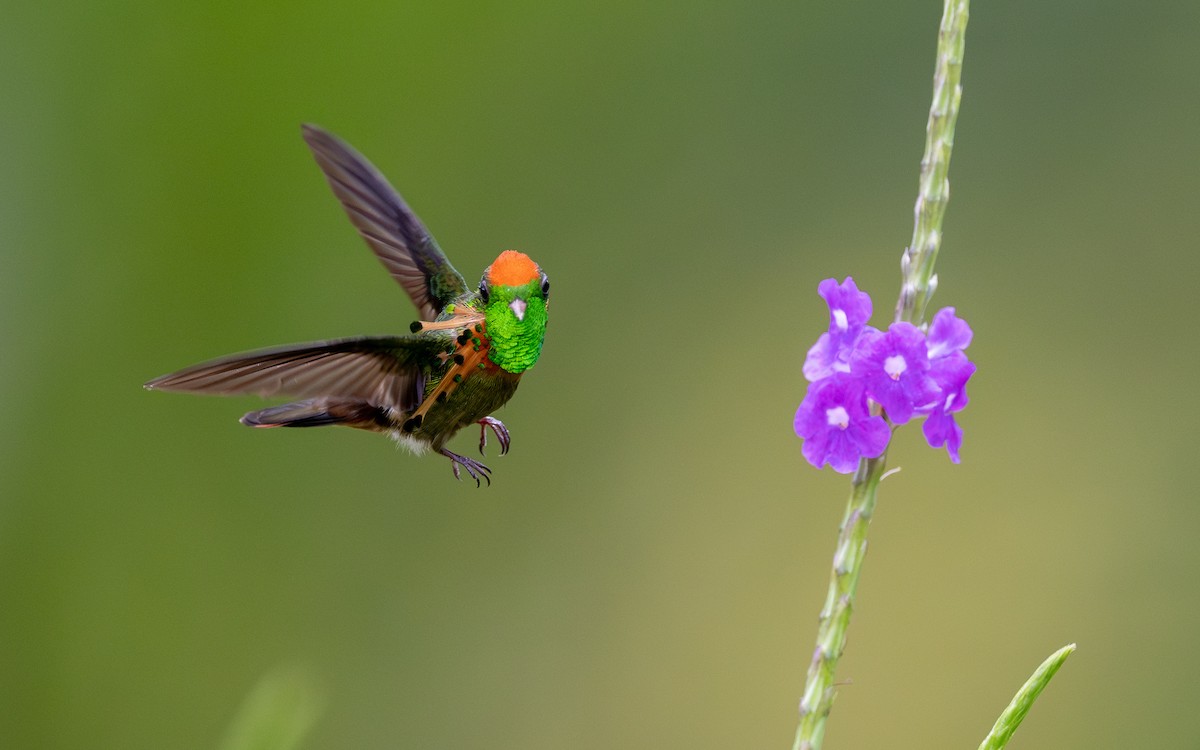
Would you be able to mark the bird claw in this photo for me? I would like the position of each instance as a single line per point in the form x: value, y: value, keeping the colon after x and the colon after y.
x: 498, y: 428
x: 474, y: 469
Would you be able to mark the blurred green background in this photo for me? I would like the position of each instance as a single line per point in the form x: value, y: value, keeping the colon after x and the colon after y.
x: 647, y: 567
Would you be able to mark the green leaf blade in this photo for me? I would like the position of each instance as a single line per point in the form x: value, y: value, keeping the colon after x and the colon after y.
x: 1012, y: 716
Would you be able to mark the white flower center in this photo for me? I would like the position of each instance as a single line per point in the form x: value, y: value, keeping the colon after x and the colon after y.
x: 895, y: 366
x: 837, y: 417
x: 839, y: 319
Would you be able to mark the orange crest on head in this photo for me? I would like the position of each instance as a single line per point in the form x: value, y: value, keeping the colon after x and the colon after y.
x: 512, y: 268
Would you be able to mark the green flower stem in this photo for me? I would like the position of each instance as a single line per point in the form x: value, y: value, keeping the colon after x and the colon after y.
x: 916, y: 265
x: 1023, y: 700
x: 819, y: 690
x: 918, y: 285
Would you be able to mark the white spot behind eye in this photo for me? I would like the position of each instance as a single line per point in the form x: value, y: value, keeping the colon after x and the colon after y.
x: 837, y: 417
x: 895, y: 366
x: 839, y: 319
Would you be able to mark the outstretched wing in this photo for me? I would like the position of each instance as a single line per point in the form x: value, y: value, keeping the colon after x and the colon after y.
x: 393, y: 231
x: 386, y: 371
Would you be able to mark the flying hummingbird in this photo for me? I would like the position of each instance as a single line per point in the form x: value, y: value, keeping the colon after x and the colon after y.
x: 463, y: 360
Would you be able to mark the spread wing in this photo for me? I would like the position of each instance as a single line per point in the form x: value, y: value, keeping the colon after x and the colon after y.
x: 381, y: 370
x: 389, y: 226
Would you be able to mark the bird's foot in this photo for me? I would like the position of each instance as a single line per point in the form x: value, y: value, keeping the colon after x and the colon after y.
x: 474, y: 469
x: 498, y: 428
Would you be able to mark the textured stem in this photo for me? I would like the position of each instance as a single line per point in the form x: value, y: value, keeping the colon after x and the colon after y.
x: 917, y: 286
x: 819, y: 690
x: 1023, y: 700
x: 916, y: 265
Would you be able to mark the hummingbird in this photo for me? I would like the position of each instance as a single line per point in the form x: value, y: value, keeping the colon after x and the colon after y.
x: 461, y: 361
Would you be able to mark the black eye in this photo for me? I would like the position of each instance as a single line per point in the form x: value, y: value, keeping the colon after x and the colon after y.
x: 545, y: 286
x: 484, y: 293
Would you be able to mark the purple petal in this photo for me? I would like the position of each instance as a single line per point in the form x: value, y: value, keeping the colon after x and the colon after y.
x: 836, y: 426
x: 948, y: 334
x: 819, y: 363
x: 818, y: 451
x: 894, y: 368
x: 849, y: 309
x: 941, y: 429
x: 870, y: 436
x: 951, y: 374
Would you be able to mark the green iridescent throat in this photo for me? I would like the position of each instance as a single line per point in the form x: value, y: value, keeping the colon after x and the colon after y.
x: 516, y: 343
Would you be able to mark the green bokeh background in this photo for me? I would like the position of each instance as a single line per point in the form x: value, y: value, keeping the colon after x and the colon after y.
x: 645, y: 571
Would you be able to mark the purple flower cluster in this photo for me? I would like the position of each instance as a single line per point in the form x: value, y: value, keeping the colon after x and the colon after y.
x: 907, y: 372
